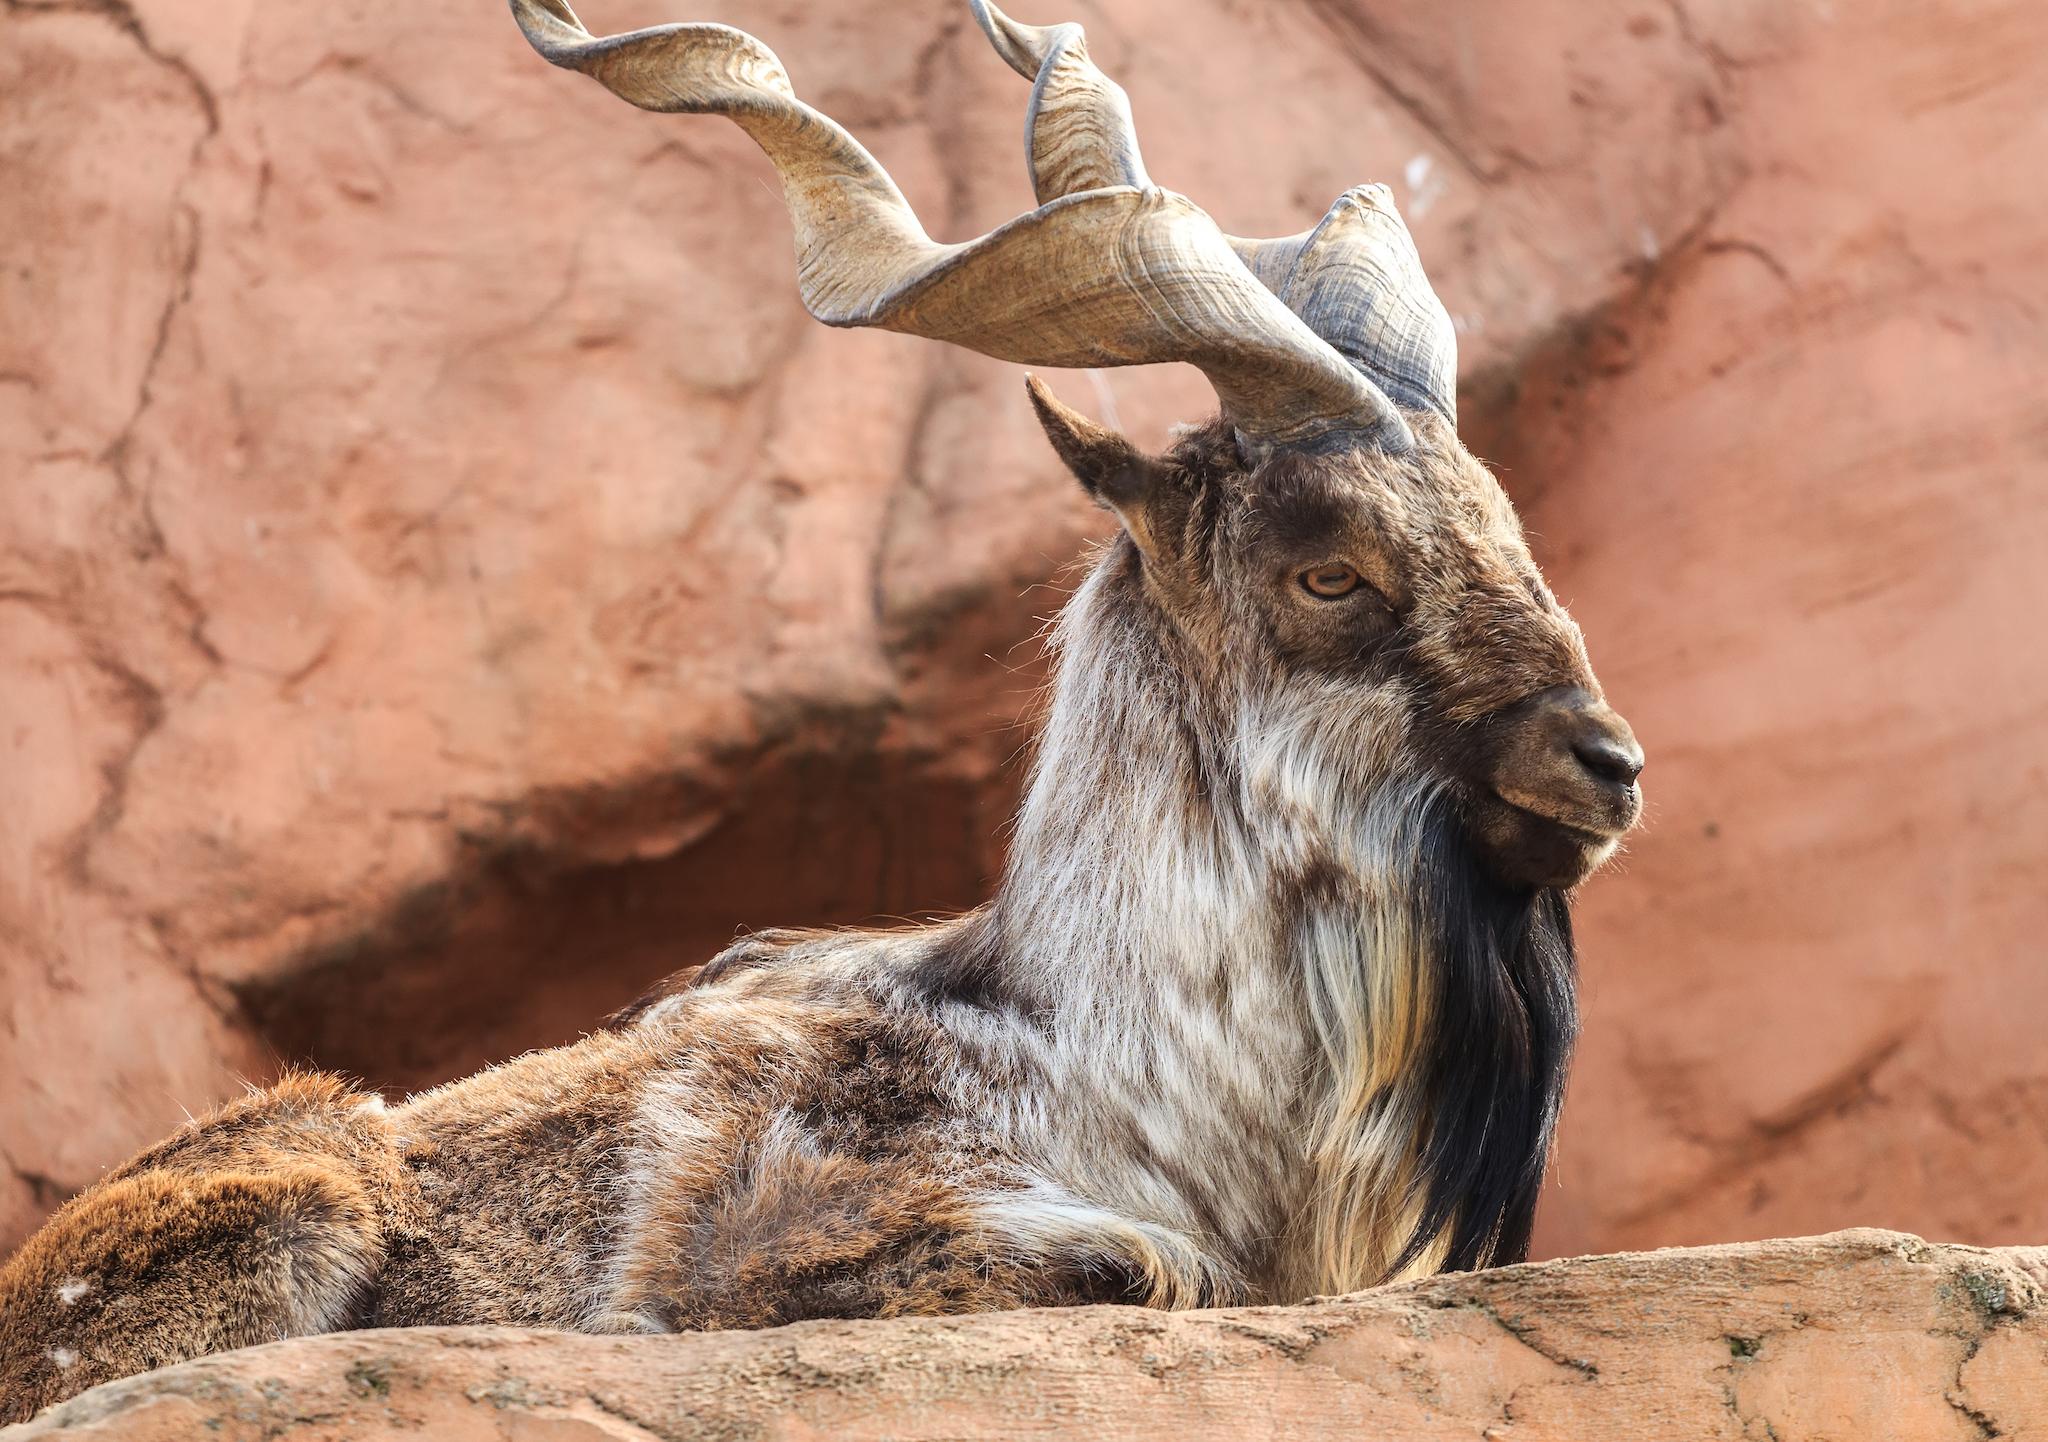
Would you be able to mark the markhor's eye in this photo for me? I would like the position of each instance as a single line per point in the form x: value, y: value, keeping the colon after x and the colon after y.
x: 1329, y: 582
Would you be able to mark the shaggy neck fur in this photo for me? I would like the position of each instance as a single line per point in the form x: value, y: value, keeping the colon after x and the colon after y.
x: 1271, y: 994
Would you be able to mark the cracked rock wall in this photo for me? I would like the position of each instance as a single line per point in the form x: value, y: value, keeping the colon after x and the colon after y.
x: 445, y: 580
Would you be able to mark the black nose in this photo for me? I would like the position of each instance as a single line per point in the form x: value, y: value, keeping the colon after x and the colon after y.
x: 1611, y: 756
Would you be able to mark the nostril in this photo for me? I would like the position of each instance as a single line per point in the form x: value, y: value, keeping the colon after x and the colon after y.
x: 1609, y: 758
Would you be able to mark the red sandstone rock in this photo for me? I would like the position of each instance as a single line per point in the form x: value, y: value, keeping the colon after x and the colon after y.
x: 1861, y: 1337
x: 446, y: 581
x: 1796, y: 490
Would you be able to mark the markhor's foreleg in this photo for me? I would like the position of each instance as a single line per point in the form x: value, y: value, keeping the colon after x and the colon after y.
x: 261, y: 1221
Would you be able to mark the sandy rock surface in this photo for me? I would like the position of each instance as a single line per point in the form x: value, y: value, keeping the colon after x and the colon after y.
x: 445, y: 581
x: 1860, y: 1336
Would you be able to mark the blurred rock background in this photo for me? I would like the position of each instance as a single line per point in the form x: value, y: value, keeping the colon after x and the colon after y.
x: 446, y: 581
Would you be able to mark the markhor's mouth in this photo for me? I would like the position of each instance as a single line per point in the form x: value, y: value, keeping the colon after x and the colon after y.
x: 1585, y: 836
x: 1592, y: 830
x: 1531, y: 848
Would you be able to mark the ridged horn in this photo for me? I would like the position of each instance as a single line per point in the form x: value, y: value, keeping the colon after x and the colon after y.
x: 1078, y: 131
x: 1112, y: 275
x: 1357, y: 281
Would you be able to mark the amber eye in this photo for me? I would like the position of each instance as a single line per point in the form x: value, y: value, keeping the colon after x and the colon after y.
x: 1329, y: 582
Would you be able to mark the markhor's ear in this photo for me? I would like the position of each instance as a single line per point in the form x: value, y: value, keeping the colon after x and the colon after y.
x: 1109, y: 468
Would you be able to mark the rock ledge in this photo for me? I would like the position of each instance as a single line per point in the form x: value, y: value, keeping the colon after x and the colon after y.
x: 1859, y: 1336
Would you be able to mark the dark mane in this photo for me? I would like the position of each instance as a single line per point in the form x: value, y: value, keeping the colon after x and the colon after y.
x: 1505, y: 980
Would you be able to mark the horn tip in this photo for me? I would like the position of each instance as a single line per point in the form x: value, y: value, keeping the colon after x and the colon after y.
x: 548, y: 25
x: 1022, y: 47
x: 1375, y: 198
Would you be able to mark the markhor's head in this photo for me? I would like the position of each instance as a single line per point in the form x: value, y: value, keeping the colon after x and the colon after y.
x: 1327, y: 543
x: 1381, y: 600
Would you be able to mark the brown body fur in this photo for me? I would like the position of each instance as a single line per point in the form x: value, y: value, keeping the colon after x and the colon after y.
x: 500, y: 1199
